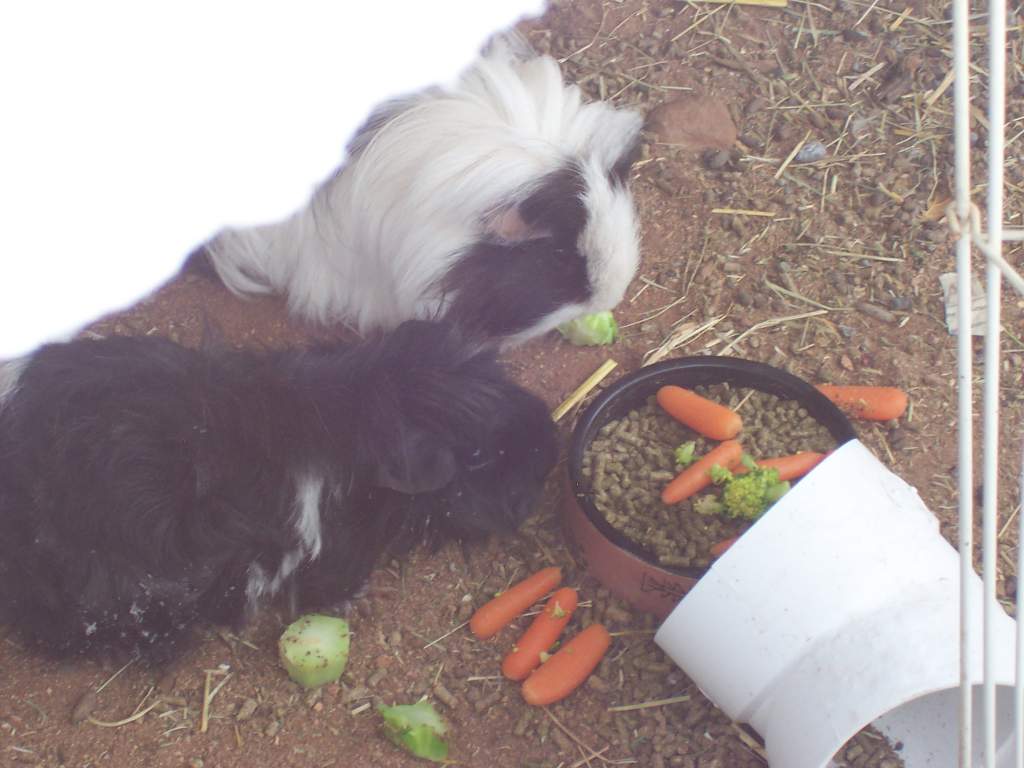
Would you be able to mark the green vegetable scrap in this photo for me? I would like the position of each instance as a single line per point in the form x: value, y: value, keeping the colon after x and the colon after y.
x: 591, y: 330
x: 708, y: 505
x: 417, y: 728
x: 750, y: 494
x: 314, y: 649
x: 684, y: 454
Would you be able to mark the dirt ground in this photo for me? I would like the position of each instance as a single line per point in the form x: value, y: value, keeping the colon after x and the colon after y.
x: 829, y: 269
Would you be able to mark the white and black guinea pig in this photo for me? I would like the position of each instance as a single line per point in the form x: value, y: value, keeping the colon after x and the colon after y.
x: 145, y: 486
x: 500, y: 202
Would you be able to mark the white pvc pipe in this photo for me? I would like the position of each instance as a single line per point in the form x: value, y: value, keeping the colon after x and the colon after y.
x: 965, y: 474
x: 990, y: 419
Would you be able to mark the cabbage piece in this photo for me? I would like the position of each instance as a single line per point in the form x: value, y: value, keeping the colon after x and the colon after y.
x: 314, y: 649
x: 417, y: 728
x: 591, y: 330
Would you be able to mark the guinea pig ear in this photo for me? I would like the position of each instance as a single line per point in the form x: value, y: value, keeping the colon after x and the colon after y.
x: 418, y: 466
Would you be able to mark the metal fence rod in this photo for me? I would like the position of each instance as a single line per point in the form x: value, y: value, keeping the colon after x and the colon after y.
x: 965, y: 474
x: 990, y: 419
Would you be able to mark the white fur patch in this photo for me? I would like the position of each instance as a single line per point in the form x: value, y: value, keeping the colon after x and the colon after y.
x: 306, y: 519
x: 307, y: 514
x: 373, y: 244
x: 10, y: 375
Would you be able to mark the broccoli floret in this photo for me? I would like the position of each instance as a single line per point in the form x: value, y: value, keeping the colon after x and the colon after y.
x: 750, y: 494
x: 684, y: 454
x: 708, y: 505
x: 719, y: 474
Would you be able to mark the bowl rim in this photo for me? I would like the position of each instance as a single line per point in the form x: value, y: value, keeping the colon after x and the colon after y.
x: 826, y: 412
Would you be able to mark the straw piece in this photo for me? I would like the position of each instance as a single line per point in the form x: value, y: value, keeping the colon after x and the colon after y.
x: 650, y: 704
x: 789, y: 159
x: 743, y: 212
x: 762, y: 3
x: 584, y: 389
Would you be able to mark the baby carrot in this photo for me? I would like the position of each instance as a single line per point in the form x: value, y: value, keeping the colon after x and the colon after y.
x: 875, y: 403
x: 697, y: 476
x: 491, y: 617
x: 711, y: 419
x: 541, y: 635
x: 564, y: 672
x: 789, y: 467
x: 721, y: 547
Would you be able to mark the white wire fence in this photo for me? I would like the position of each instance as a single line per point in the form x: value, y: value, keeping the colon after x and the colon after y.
x: 966, y: 219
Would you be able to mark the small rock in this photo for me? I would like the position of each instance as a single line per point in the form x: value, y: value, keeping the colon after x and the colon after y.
x: 818, y: 120
x: 875, y: 311
x: 752, y: 141
x: 846, y: 362
x: 195, y: 762
x: 246, y: 710
x: 272, y: 728
x: 811, y: 152
x: 84, y: 708
x: 901, y: 303
x: 717, y: 159
x: 693, y: 122
x: 854, y: 35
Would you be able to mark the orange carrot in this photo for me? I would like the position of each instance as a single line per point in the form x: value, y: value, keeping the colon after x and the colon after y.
x: 541, y: 635
x: 875, y: 403
x: 697, y: 476
x: 491, y: 617
x: 564, y: 672
x: 711, y: 419
x: 789, y: 467
x: 721, y: 547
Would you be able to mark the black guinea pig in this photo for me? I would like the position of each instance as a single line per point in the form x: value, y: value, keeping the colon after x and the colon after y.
x: 145, y: 486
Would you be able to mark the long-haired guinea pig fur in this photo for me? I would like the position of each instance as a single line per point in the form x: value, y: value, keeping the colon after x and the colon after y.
x: 500, y: 202
x: 146, y: 487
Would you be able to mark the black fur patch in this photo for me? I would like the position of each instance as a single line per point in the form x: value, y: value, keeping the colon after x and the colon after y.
x: 142, y: 482
x: 499, y: 288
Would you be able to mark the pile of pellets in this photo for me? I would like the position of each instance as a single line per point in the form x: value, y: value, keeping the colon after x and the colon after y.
x: 631, y: 459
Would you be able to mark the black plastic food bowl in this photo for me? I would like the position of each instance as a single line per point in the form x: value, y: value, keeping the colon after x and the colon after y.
x: 626, y: 568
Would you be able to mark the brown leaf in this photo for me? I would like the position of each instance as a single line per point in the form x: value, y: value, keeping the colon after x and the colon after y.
x: 936, y: 209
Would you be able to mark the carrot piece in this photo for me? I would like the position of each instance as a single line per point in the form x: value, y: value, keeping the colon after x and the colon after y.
x: 789, y: 467
x: 875, y: 403
x: 697, y: 476
x: 711, y: 419
x: 541, y: 635
x: 721, y: 547
x: 564, y: 672
x: 491, y: 617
